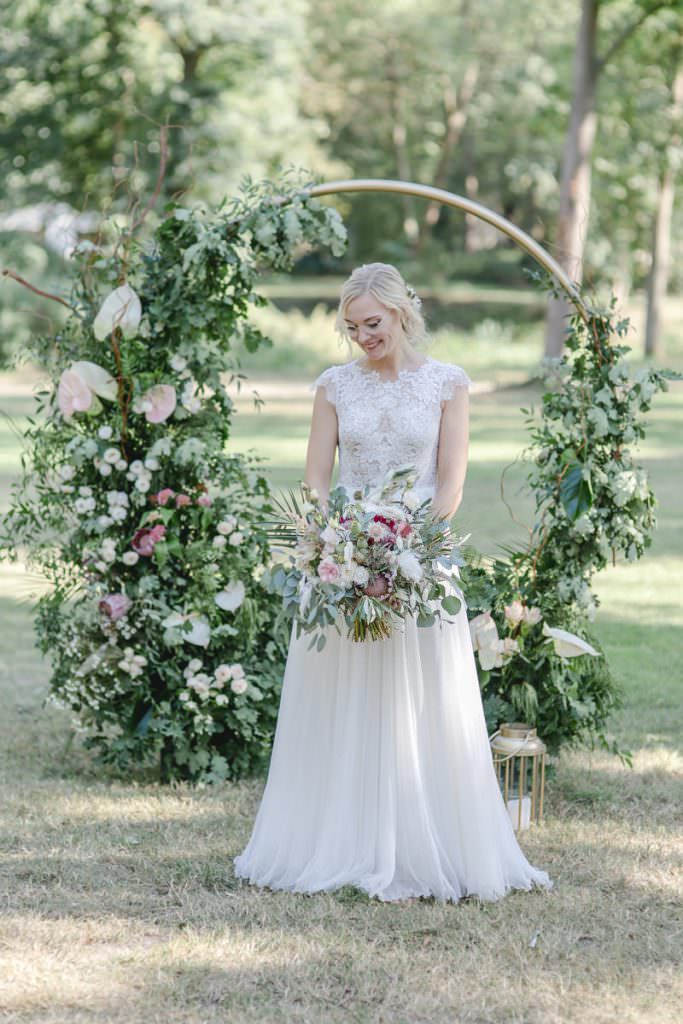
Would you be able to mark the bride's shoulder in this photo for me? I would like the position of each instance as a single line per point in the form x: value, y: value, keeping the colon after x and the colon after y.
x: 450, y: 377
x: 330, y: 380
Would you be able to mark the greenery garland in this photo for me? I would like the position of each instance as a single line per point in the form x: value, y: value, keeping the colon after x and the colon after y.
x: 592, y: 501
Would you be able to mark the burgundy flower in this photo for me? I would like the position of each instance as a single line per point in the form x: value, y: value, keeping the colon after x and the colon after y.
x: 145, y: 539
x: 115, y: 605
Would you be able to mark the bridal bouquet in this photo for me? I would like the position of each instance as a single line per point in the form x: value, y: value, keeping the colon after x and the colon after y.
x: 374, y: 559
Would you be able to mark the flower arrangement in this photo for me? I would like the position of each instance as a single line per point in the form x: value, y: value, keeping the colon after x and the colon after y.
x: 372, y: 560
x: 150, y: 532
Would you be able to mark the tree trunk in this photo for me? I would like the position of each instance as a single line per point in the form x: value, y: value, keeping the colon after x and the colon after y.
x: 456, y: 110
x: 399, y: 138
x: 658, y: 277
x: 575, y: 185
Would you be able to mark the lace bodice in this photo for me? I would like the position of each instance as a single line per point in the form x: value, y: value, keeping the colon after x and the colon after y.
x: 384, y: 424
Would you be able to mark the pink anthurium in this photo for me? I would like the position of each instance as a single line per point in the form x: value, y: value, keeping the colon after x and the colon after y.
x: 73, y: 395
x: 157, y: 403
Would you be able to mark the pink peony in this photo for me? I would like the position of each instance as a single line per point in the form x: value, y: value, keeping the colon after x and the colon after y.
x: 145, y: 540
x: 115, y: 605
x: 182, y: 500
x: 204, y: 500
x: 328, y: 571
x: 164, y: 496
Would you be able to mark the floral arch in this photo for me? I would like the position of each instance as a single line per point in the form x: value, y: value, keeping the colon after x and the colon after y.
x: 153, y: 536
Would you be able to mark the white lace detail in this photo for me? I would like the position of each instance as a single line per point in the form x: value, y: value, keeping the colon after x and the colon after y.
x: 384, y: 424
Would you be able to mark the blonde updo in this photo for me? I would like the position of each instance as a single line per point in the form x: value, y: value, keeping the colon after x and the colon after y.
x: 384, y: 283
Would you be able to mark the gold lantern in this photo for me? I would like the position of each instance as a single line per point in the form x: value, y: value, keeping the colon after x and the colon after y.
x: 519, y: 760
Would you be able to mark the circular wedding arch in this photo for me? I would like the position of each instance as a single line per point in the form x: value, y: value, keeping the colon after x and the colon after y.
x: 440, y: 195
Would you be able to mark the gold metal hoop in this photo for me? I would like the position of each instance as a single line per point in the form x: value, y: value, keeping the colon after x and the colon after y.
x: 410, y: 188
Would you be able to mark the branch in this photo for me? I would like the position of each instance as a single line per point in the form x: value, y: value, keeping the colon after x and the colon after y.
x: 624, y: 35
x: 46, y: 295
x: 163, y: 159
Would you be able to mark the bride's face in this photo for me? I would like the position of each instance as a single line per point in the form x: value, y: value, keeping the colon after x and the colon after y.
x: 373, y: 327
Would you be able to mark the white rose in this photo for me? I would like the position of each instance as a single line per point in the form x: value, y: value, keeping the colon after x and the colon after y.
x: 223, y: 673
x: 411, y: 499
x: 121, y: 465
x: 136, y: 467
x: 238, y: 685
x: 112, y: 456
x: 329, y: 536
x: 118, y: 513
x: 361, y: 576
x: 226, y: 526
x: 130, y: 557
x: 66, y: 472
x: 219, y: 541
x: 151, y: 463
x: 105, y: 432
x: 104, y: 469
x: 85, y: 492
x: 236, y: 539
x: 104, y: 522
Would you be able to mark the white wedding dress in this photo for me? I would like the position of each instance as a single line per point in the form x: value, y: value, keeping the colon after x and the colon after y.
x: 381, y: 774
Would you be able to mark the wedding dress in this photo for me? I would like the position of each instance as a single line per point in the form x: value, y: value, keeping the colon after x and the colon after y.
x: 381, y: 774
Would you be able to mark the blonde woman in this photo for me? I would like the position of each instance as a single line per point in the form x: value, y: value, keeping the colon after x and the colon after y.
x: 381, y: 775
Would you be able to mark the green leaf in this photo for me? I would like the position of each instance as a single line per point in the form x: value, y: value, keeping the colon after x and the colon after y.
x: 576, y: 493
x: 451, y: 604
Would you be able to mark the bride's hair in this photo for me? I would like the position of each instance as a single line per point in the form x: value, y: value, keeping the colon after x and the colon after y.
x: 385, y: 283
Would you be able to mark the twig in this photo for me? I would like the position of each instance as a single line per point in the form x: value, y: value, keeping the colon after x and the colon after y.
x: 31, y: 287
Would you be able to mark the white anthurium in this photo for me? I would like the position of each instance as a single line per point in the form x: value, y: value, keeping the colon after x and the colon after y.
x: 231, y: 597
x: 568, y: 645
x: 121, y: 308
x: 199, y: 634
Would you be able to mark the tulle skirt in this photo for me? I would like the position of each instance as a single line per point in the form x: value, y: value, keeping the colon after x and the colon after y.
x: 381, y: 774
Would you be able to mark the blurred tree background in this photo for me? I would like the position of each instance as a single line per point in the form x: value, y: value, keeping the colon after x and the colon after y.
x: 524, y: 108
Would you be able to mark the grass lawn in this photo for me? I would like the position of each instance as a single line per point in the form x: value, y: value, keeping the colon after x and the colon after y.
x: 119, y: 901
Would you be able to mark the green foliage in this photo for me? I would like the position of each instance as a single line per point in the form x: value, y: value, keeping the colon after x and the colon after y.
x: 591, y: 500
x: 162, y: 639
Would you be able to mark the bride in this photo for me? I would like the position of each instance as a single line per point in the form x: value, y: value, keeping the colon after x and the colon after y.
x: 381, y: 774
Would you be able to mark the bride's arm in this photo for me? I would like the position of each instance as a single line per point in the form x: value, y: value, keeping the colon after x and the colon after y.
x: 451, y: 465
x: 322, y: 445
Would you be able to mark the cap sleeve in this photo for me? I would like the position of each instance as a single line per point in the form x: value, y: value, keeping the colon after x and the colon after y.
x: 453, y: 377
x: 327, y: 380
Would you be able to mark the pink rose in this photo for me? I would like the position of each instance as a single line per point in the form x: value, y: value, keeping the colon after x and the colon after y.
x: 328, y: 571
x: 145, y: 540
x: 164, y: 496
x: 182, y: 500
x: 115, y: 605
x: 204, y: 500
